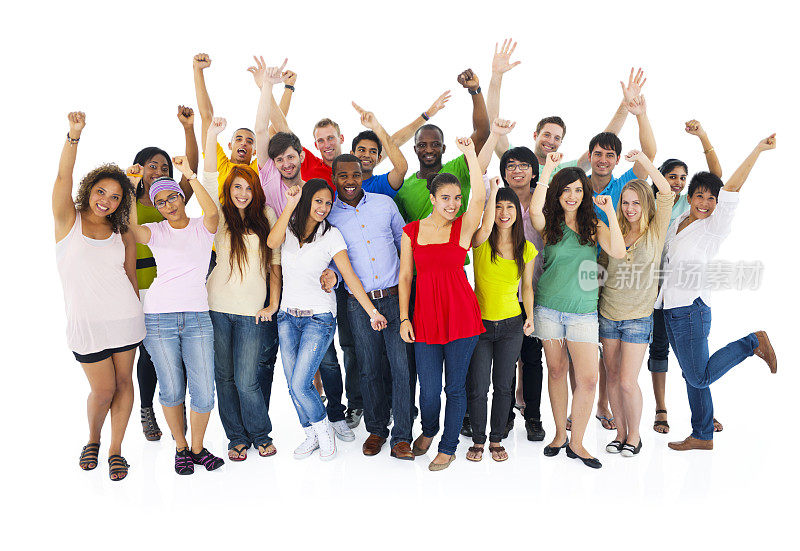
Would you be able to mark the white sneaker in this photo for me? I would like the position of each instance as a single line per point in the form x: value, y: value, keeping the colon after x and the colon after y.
x: 343, y: 431
x: 326, y: 439
x: 308, y: 447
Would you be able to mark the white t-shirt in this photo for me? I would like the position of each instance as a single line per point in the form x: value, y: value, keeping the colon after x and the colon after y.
x: 302, y: 267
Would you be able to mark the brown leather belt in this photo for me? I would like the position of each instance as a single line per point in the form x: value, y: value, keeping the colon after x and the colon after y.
x: 382, y: 293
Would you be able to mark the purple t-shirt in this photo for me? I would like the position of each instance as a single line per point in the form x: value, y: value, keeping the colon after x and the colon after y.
x: 182, y: 257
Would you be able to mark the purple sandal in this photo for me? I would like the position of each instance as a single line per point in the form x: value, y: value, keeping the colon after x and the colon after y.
x: 207, y: 459
x: 183, y: 462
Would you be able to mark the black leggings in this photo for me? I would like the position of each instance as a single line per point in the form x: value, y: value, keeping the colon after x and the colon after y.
x: 146, y: 375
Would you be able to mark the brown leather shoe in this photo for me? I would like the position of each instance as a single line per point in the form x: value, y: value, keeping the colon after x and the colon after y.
x: 765, y: 351
x: 416, y: 449
x: 373, y: 444
x: 402, y: 450
x: 692, y: 444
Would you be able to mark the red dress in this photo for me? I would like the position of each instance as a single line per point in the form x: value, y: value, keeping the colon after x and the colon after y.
x: 445, y: 307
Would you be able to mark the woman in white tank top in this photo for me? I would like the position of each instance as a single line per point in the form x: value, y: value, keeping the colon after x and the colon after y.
x: 96, y: 259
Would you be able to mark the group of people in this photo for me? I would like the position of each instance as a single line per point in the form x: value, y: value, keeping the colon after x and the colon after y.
x: 295, y: 245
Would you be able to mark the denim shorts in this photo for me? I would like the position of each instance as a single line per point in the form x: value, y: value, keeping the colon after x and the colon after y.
x: 638, y: 331
x: 552, y: 324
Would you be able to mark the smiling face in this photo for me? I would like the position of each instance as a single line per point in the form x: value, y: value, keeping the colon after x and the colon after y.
x: 241, y: 193
x: 571, y: 196
x: 447, y: 201
x: 519, y: 174
x: 329, y: 142
x: 603, y: 161
x: 288, y: 163
x: 429, y: 148
x: 242, y: 146
x: 321, y: 204
x: 105, y: 197
x: 676, y: 178
x: 170, y: 204
x: 348, y: 178
x: 155, y: 167
x: 631, y: 207
x: 702, y: 204
x: 367, y: 153
x: 505, y: 214
x: 548, y: 140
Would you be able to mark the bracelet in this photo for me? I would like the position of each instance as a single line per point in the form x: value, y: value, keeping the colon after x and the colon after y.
x: 289, y: 87
x: 403, y: 320
x: 425, y: 116
x: 72, y: 141
x: 707, y: 151
x: 476, y: 92
x: 192, y: 177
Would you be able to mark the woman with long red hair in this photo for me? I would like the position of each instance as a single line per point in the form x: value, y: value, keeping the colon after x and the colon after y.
x: 237, y: 289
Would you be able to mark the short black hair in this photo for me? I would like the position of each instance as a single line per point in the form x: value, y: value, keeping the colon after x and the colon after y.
x: 344, y: 158
x: 705, y: 181
x: 670, y: 164
x: 145, y: 155
x: 606, y: 140
x: 244, y: 128
x: 282, y: 141
x: 367, y: 135
x: 522, y: 154
x: 428, y: 127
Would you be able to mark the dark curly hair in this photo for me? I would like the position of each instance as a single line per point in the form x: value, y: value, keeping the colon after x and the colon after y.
x: 554, y: 212
x: 119, y: 218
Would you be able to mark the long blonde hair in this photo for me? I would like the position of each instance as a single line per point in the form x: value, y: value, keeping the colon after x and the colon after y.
x: 648, y: 202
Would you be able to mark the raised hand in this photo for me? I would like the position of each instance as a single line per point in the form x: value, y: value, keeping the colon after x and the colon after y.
x: 258, y: 70
x: 527, y: 327
x: 635, y: 155
x: 273, y: 75
x: 186, y: 116
x: 766, y: 144
x: 292, y: 197
x: 694, y: 128
x: 289, y: 77
x: 501, y: 61
x: 553, y: 160
x: 328, y: 280
x: 494, y: 184
x: 378, y: 321
x: 465, y: 145
x: 77, y: 120
x: 367, y: 117
x: 502, y: 127
x: 635, y: 84
x: 217, y: 125
x: 201, y: 61
x: 134, y: 174
x: 469, y: 80
x: 439, y: 104
x: 265, y: 314
x: 637, y: 106
x: 182, y: 164
x: 605, y: 204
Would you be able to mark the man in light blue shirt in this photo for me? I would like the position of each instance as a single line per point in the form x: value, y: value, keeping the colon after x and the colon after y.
x: 372, y: 228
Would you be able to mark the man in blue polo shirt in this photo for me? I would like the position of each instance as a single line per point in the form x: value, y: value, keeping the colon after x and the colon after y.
x: 368, y: 146
x: 372, y: 228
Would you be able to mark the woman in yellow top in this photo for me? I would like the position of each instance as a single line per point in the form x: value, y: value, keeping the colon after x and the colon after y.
x: 502, y: 256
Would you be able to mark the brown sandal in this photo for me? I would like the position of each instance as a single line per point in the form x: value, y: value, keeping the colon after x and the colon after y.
x: 498, y: 449
x: 475, y: 449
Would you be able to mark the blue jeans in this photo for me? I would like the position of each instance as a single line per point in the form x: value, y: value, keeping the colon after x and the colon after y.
x: 352, y: 369
x: 237, y: 345
x: 456, y: 356
x: 687, y: 330
x: 267, y: 358
x: 186, y: 337
x: 303, y: 342
x: 370, y: 346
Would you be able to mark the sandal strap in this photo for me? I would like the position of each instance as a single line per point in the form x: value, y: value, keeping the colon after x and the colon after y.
x: 496, y: 449
x: 660, y: 411
x: 660, y: 424
x: 475, y: 449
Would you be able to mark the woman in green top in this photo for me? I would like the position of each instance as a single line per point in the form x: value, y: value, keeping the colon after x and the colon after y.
x: 502, y: 256
x: 566, y: 296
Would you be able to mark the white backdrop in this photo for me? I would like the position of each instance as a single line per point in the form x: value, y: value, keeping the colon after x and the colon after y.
x: 128, y: 66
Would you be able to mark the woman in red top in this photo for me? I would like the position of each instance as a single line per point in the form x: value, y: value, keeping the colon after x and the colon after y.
x: 447, y: 320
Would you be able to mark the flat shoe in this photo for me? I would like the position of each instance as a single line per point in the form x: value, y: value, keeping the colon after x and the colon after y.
x: 552, y: 451
x: 441, y: 466
x: 628, y: 450
x: 615, y: 446
x: 592, y: 462
x: 416, y: 449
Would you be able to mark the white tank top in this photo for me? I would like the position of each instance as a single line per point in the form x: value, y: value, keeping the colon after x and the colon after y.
x: 102, y: 309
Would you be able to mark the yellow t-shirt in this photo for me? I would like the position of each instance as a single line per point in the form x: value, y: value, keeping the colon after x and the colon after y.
x: 496, y: 283
x: 224, y: 167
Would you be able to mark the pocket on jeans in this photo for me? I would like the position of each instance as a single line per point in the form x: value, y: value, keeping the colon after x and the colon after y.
x: 325, y: 319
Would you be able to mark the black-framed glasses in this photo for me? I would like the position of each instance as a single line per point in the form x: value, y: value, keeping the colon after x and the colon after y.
x: 171, y: 198
x: 518, y: 166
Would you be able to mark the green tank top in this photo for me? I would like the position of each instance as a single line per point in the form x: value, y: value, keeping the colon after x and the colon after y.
x: 569, y: 280
x: 145, y: 263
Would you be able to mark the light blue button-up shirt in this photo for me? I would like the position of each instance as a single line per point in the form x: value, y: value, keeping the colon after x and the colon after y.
x: 372, y: 230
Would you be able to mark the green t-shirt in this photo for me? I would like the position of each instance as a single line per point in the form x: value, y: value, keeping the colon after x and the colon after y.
x: 496, y: 283
x: 413, y: 198
x: 565, y: 164
x: 569, y: 280
x: 145, y: 263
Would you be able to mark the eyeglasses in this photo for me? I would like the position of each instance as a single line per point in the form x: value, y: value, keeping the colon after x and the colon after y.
x: 518, y: 166
x: 170, y: 199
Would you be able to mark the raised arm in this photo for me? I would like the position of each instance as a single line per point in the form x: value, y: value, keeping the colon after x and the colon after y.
x: 694, y: 128
x: 500, y: 130
x: 209, y: 206
x: 277, y: 235
x: 472, y: 216
x: 399, y: 163
x: 289, y: 78
x: 501, y: 63
x: 480, y: 118
x: 269, y: 77
x: 186, y: 118
x: 407, y: 132
x: 647, y: 140
x: 739, y: 177
x: 63, y: 204
x: 215, y: 128
x: 636, y: 156
x: 487, y: 222
x: 277, y: 117
x: 609, y: 237
x: 540, y: 191
x: 141, y: 234
x: 199, y: 64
